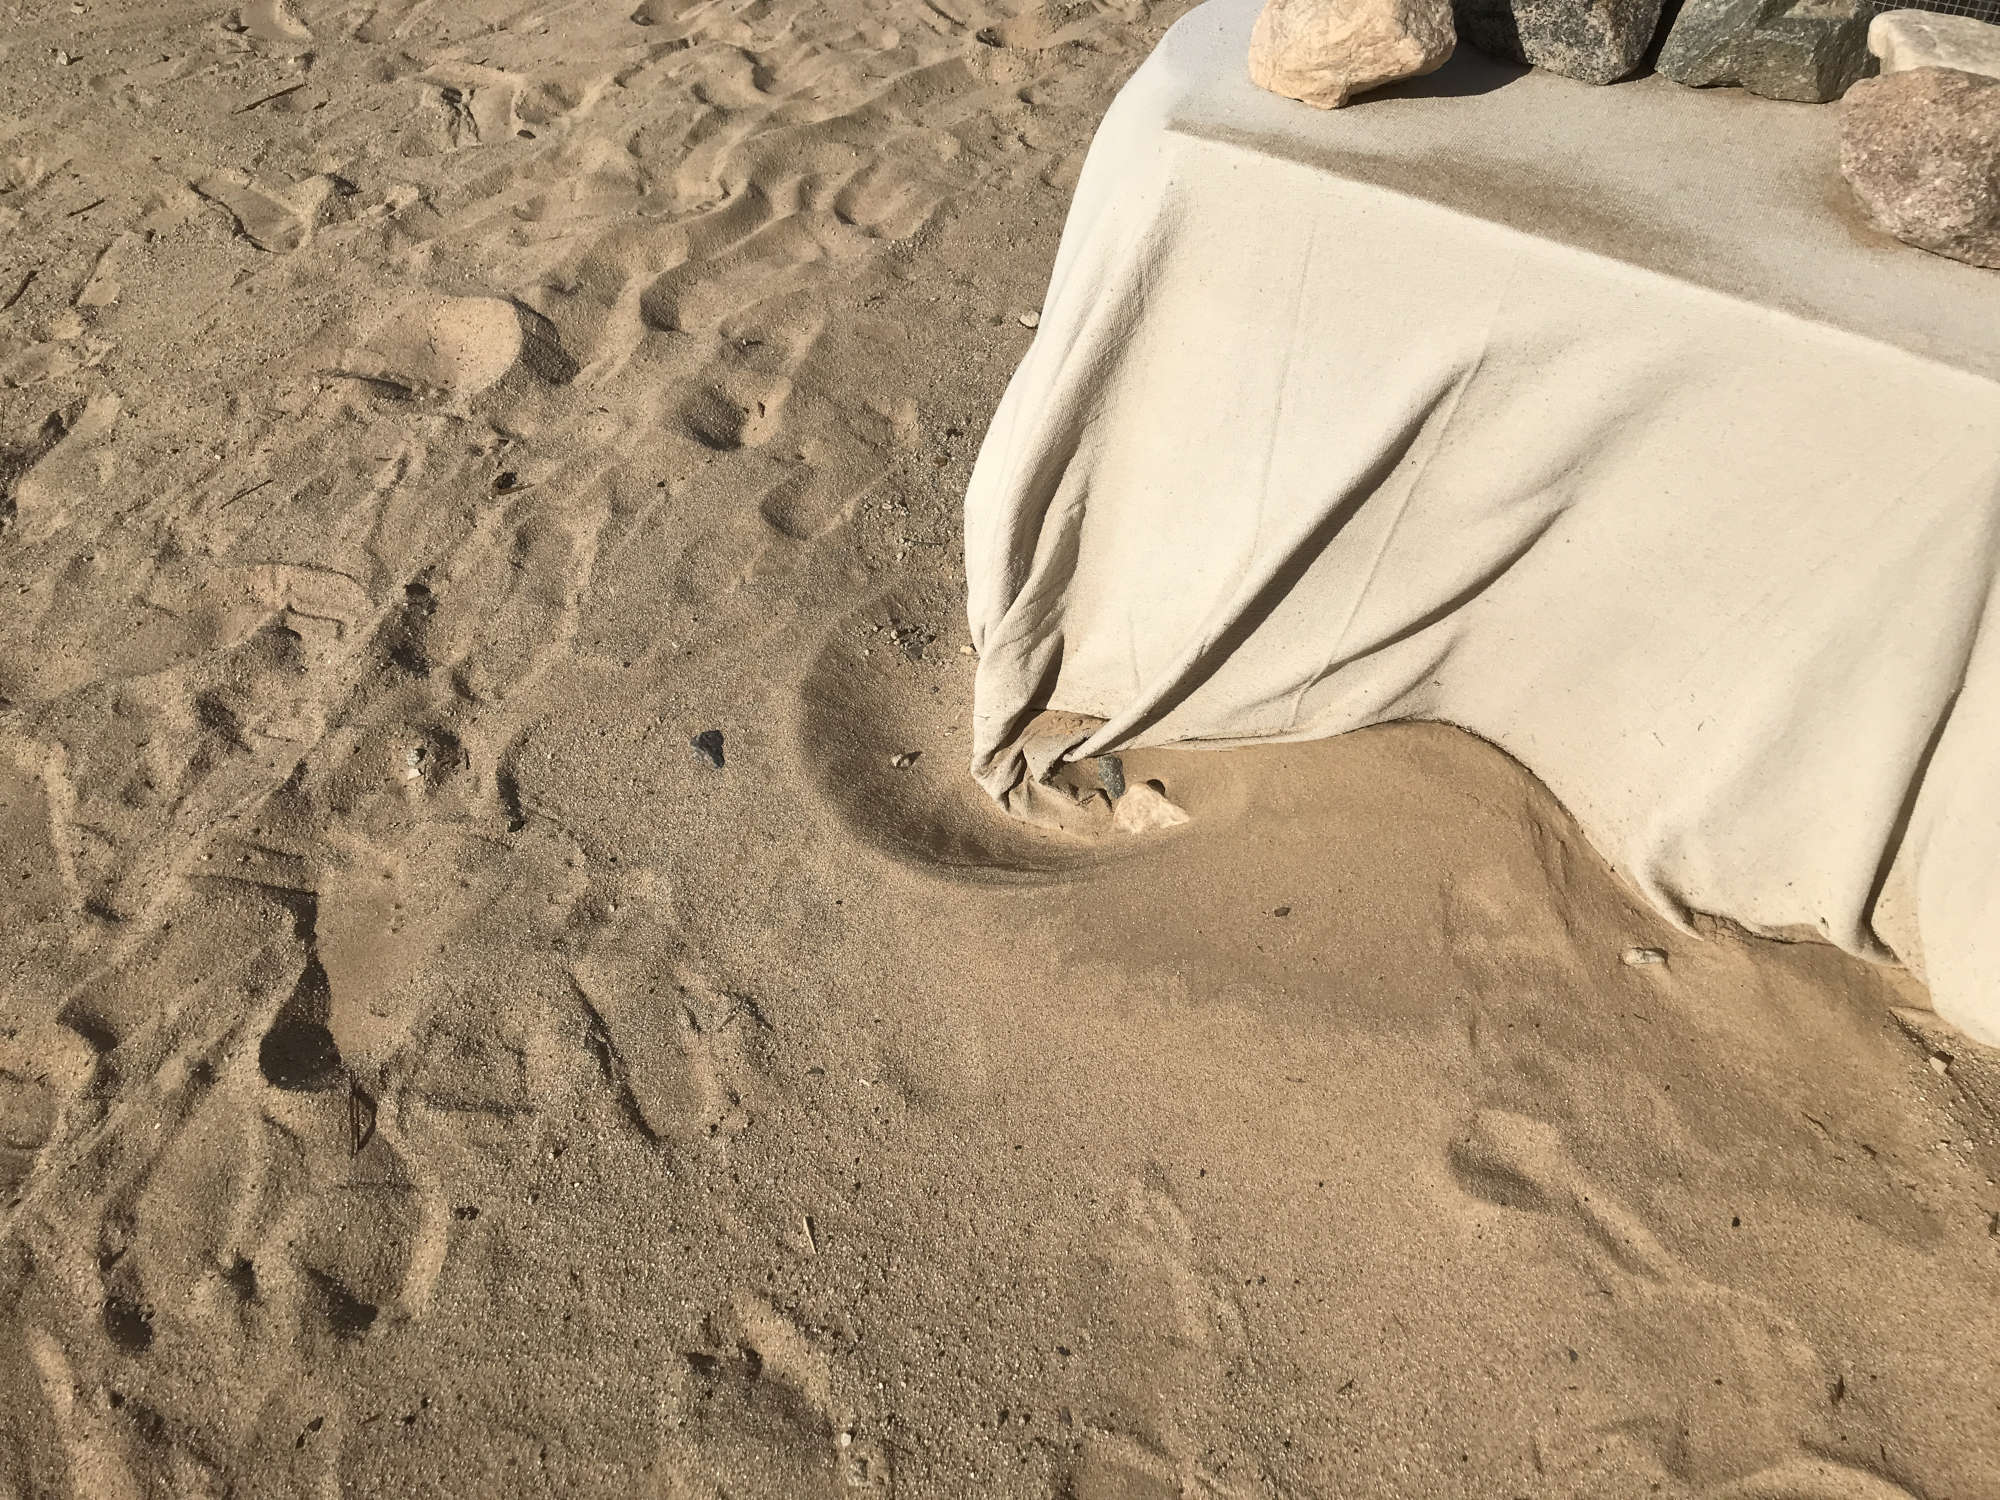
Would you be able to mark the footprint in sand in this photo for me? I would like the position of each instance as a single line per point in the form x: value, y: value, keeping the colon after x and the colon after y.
x: 1513, y: 1161
x: 273, y: 218
x: 344, y: 1228
x: 1169, y: 1338
x: 1111, y: 1467
x: 206, y: 1222
x: 759, y: 379
x: 681, y: 1056
x: 740, y: 406
x: 150, y: 764
x: 479, y: 105
x: 274, y: 25
x: 890, y: 198
x: 697, y: 297
x: 39, y: 877
x: 27, y: 1119
x: 752, y: 1411
x: 1707, y: 1387
x: 1723, y: 1391
x: 44, y: 478
x: 16, y: 459
x: 740, y: 401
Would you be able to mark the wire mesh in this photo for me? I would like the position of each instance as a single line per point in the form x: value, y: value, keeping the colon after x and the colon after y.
x: 1979, y: 10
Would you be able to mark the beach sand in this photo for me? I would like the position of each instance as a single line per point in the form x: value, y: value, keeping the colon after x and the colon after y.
x: 423, y: 1072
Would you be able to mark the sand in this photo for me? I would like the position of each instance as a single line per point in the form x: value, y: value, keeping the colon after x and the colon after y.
x: 423, y: 1073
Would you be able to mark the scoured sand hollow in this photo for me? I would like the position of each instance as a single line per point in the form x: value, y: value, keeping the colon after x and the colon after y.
x: 421, y: 1074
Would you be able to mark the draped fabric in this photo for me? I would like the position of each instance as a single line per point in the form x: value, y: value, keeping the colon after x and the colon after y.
x: 1593, y: 420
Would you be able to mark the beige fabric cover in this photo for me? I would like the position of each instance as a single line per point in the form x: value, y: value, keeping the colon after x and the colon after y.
x: 1592, y: 420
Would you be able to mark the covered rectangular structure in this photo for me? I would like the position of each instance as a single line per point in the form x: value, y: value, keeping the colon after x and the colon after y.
x: 1593, y: 420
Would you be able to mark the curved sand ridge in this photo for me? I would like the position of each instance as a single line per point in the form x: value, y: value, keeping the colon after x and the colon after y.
x: 420, y: 1072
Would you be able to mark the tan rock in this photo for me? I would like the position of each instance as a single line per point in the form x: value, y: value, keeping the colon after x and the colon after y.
x: 1326, y: 51
x: 1906, y: 39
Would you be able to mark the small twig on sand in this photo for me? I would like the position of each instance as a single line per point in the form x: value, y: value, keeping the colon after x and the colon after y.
x: 22, y: 290
x: 245, y: 493
x: 290, y: 88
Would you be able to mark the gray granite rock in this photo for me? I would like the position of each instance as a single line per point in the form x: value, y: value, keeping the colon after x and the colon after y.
x: 1921, y: 149
x: 1598, y: 41
x: 1809, y: 51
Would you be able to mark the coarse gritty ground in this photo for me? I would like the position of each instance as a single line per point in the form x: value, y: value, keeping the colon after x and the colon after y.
x: 422, y: 1073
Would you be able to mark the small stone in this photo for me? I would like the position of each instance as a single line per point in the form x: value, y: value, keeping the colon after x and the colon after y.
x: 1111, y: 776
x: 1639, y: 958
x: 1807, y: 51
x: 1323, y: 52
x: 1031, y: 320
x: 965, y: 651
x: 1145, y: 809
x: 905, y: 760
x: 1907, y: 39
x: 1921, y: 149
x: 1281, y: 911
x: 708, y: 745
x: 1940, y: 1064
x: 845, y: 1440
x: 1595, y: 41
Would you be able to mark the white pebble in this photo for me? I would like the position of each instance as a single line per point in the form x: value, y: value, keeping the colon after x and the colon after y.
x: 1145, y: 809
x: 1640, y: 957
x: 1031, y: 320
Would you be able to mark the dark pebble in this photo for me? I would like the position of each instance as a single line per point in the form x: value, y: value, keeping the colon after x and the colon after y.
x: 1111, y: 776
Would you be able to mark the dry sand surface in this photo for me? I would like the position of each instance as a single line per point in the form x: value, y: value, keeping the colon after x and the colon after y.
x: 422, y: 1073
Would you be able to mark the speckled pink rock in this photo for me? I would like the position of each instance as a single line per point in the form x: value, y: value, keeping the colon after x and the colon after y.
x: 1921, y: 150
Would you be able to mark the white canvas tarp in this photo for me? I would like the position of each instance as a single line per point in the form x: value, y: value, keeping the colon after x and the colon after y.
x: 1591, y: 420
